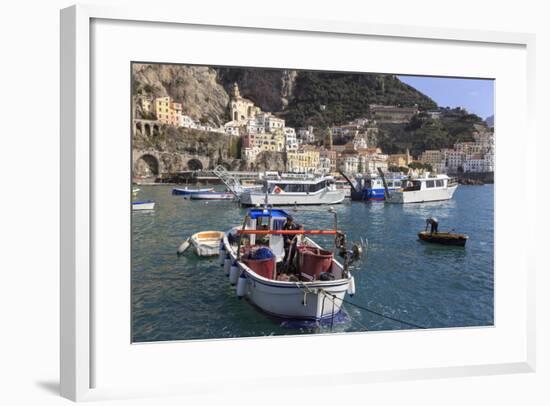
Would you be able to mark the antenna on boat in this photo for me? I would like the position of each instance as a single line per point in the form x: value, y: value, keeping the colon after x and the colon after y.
x: 266, y: 199
x: 331, y: 210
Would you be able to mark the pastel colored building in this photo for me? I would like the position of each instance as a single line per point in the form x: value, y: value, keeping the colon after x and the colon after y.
x: 304, y: 160
x: 167, y: 111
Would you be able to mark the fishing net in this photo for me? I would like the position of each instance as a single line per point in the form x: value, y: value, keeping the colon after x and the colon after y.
x: 261, y: 253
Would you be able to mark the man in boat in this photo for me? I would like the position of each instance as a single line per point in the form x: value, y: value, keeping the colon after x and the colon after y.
x: 433, y: 223
x: 264, y: 238
x: 290, y: 240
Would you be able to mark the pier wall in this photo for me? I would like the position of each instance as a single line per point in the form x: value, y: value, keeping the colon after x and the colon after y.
x: 475, y: 177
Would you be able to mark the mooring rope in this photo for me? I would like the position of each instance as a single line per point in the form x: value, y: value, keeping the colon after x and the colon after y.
x: 375, y: 312
x: 306, y: 290
x: 325, y: 295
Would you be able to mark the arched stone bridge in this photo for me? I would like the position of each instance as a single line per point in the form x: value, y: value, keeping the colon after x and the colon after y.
x: 146, y: 163
x: 146, y: 127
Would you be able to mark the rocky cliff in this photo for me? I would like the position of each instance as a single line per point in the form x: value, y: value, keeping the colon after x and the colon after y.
x: 197, y: 87
x: 302, y: 97
x: 270, y: 89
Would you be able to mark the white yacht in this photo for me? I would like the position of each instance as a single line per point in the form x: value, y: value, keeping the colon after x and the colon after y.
x: 424, y: 189
x: 295, y: 191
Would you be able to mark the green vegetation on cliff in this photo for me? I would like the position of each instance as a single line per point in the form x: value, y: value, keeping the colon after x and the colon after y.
x: 423, y: 132
x: 326, y: 98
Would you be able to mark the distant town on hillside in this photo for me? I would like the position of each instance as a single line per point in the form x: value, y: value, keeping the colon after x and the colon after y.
x: 188, y: 117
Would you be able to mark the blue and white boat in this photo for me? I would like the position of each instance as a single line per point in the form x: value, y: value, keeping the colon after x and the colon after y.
x: 188, y: 192
x: 143, y: 205
x: 371, y: 188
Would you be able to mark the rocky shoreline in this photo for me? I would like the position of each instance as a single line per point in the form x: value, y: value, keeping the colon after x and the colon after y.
x: 481, y: 178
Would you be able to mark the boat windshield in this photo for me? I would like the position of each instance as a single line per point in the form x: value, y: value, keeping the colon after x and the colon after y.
x: 278, y: 187
x: 411, y: 185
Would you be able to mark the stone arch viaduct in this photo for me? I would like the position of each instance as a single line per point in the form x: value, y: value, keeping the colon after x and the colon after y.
x: 147, y: 163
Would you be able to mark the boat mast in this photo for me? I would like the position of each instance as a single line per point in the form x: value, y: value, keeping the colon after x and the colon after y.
x: 386, y: 190
x: 241, y: 237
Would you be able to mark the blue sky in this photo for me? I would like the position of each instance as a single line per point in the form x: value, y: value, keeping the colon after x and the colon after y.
x: 475, y: 95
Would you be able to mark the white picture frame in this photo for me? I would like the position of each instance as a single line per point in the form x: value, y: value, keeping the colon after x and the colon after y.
x: 77, y: 357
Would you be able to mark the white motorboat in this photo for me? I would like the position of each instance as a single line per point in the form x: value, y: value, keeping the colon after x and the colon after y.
x: 143, y: 205
x: 424, y: 189
x: 295, y: 191
x: 207, y: 243
x: 310, y: 287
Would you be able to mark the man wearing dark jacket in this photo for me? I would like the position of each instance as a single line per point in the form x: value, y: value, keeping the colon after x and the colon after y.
x: 433, y: 223
x: 289, y: 239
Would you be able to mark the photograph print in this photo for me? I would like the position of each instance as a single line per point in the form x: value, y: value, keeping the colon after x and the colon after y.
x: 269, y: 202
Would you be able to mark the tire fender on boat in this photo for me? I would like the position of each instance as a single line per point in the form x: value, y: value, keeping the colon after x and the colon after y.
x: 226, y: 265
x: 351, y: 286
x: 233, y: 273
x: 241, y: 285
x: 222, y: 254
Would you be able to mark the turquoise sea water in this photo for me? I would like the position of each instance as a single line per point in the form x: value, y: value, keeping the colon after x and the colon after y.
x: 425, y: 284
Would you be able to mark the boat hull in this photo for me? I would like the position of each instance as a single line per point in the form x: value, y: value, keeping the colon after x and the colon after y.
x: 212, y: 196
x: 143, y: 206
x: 315, y: 300
x: 294, y: 301
x: 291, y: 199
x: 443, y: 238
x: 421, y: 196
x: 189, y: 192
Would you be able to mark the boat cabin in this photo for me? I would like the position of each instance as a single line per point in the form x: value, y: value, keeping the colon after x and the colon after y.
x: 265, y: 253
x: 377, y: 183
x: 298, y: 185
x: 267, y: 219
x: 436, y: 182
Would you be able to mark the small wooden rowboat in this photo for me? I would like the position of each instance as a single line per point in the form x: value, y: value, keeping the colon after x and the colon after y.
x: 207, y: 243
x: 444, y: 238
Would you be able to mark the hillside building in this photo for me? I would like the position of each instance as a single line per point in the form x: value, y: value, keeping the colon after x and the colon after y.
x: 306, y: 135
x: 304, y: 160
x: 290, y: 139
x: 187, y: 122
x: 241, y: 108
x: 232, y: 128
x: 392, y: 114
x: 167, y: 111
x: 400, y: 160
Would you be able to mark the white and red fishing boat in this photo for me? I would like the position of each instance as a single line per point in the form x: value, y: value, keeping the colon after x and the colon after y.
x: 310, y: 284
